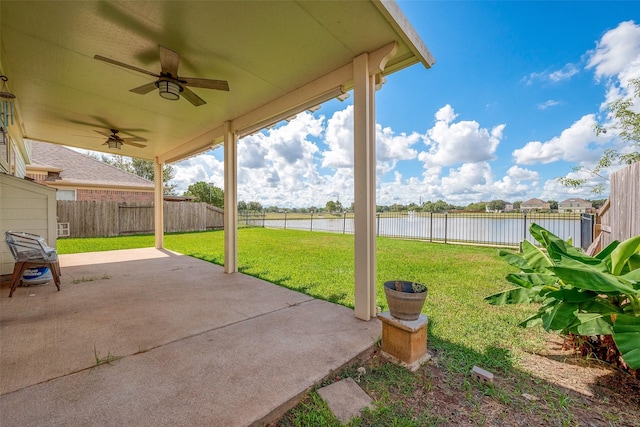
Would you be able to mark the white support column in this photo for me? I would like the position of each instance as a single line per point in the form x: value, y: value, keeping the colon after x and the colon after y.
x: 158, y: 204
x: 230, y: 200
x: 365, y: 188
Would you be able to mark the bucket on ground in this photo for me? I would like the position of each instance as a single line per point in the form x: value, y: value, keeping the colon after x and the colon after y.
x: 36, y: 276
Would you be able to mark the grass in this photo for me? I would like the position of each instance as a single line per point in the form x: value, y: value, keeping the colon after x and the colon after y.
x: 319, y: 264
x: 106, y: 359
x: 463, y: 329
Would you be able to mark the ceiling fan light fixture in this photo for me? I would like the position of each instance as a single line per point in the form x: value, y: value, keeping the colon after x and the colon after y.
x: 114, y: 144
x: 169, y: 90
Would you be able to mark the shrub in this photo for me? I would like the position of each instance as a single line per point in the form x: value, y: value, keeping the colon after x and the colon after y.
x: 580, y: 295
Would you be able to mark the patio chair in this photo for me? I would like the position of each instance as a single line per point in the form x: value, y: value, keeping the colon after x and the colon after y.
x: 30, y: 250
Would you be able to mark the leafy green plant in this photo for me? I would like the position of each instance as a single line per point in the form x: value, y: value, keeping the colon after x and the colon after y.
x: 579, y: 294
x: 418, y: 288
x: 415, y: 287
x: 107, y: 359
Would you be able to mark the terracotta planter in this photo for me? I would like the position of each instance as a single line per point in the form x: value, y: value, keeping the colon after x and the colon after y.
x: 405, y: 304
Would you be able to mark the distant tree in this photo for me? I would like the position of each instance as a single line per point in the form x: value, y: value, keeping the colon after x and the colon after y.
x: 436, y: 207
x: 144, y: 169
x: 207, y: 193
x: 413, y: 207
x: 597, y: 204
x: 553, y: 204
x: 254, y: 206
x: 516, y: 205
x: 481, y: 206
x: 396, y: 208
x: 627, y: 122
x: 332, y: 206
x: 242, y: 206
x: 497, y: 205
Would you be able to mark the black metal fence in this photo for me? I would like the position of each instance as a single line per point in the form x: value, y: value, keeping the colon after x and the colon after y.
x: 500, y: 229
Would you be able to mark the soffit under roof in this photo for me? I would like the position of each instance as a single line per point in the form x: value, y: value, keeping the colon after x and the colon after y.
x: 264, y: 49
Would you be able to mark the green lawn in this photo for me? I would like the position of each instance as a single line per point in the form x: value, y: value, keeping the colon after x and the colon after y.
x: 463, y: 329
x: 321, y: 265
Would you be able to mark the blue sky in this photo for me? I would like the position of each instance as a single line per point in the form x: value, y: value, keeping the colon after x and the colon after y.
x: 508, y: 107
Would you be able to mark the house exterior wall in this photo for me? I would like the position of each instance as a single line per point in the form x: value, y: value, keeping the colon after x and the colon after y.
x: 25, y: 206
x: 96, y: 194
x: 575, y: 206
x: 535, y: 206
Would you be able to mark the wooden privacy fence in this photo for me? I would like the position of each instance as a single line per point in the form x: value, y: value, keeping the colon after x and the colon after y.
x: 106, y: 219
x: 619, y: 217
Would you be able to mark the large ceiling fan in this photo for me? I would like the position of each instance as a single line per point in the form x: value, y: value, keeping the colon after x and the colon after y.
x: 116, y: 141
x: 168, y: 83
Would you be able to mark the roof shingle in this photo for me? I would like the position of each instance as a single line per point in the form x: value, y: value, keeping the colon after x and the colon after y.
x: 80, y: 168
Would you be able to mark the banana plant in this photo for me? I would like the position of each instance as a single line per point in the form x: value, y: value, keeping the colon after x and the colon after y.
x: 579, y: 294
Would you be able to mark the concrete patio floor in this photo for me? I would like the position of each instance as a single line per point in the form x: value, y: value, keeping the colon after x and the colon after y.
x: 194, y: 346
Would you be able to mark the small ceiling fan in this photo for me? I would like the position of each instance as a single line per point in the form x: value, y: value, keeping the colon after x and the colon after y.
x: 168, y: 83
x: 115, y: 141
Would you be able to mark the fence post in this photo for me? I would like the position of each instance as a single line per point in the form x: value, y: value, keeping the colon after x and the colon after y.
x: 311, y: 221
x: 446, y: 217
x: 377, y: 224
x: 344, y: 222
x: 431, y: 227
x: 285, y: 220
x: 264, y: 216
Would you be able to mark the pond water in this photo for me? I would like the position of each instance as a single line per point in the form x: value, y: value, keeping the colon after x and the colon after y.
x: 503, y: 230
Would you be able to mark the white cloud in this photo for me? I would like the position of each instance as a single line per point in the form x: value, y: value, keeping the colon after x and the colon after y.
x: 555, y: 190
x: 462, y: 142
x: 468, y: 178
x: 339, y: 138
x: 616, y: 59
x: 281, y: 159
x: 390, y: 147
x: 616, y: 51
x: 565, y: 73
x: 547, y: 104
x: 521, y: 174
x: 572, y: 145
x: 204, y: 167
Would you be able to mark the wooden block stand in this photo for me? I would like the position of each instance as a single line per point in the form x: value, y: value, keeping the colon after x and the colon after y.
x: 404, y: 341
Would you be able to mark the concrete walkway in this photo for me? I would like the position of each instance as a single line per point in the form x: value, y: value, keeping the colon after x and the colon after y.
x: 189, y: 344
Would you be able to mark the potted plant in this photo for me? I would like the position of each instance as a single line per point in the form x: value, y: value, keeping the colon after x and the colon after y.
x: 405, y: 299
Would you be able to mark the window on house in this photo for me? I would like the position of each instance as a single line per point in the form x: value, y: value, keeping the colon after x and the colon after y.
x: 66, y: 195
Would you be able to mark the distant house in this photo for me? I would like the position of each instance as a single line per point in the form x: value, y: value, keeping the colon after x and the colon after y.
x: 575, y: 205
x: 535, y: 205
x: 508, y: 207
x: 77, y: 176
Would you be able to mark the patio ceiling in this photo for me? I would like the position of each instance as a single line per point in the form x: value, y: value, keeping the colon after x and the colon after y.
x: 264, y: 49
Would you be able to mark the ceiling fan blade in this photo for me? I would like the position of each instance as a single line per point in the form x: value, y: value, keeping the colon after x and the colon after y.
x: 123, y: 65
x: 205, y: 83
x: 127, y: 141
x: 192, y: 97
x: 144, y: 89
x: 169, y: 61
x: 134, y: 138
x: 103, y: 133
